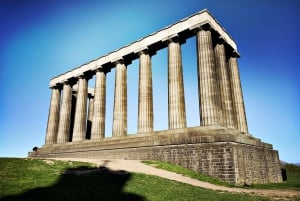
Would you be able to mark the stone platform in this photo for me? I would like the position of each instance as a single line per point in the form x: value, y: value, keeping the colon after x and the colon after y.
x: 213, y: 150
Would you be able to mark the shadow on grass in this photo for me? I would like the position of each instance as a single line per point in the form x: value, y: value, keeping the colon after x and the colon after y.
x: 82, y: 184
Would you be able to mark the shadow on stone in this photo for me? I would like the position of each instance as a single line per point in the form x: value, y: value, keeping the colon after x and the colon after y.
x: 83, y: 184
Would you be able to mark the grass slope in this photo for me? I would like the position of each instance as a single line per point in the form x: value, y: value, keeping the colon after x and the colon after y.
x: 184, y: 171
x: 293, y: 182
x: 33, y: 179
x: 293, y: 176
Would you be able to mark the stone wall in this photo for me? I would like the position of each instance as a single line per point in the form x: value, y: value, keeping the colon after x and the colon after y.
x: 217, y: 152
x: 257, y: 165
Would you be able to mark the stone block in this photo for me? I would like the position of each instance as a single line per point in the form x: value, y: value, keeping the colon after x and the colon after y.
x: 222, y: 156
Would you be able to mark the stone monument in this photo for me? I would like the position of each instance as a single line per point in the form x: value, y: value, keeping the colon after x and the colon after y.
x: 221, y: 147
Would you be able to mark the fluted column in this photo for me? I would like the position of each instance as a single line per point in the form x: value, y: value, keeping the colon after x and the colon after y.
x: 90, y: 117
x: 237, y: 94
x: 224, y: 85
x: 120, y: 101
x: 98, y: 126
x: 145, y: 110
x: 53, y: 117
x: 65, y: 114
x: 176, y: 103
x: 80, y: 111
x: 210, y: 106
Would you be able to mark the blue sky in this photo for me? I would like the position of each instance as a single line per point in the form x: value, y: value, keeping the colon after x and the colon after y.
x: 42, y: 39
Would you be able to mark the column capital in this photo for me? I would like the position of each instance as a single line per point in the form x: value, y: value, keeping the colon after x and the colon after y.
x: 220, y: 40
x: 56, y: 86
x: 70, y: 81
x: 121, y: 61
x: 235, y: 54
x: 101, y: 69
x: 205, y: 27
x: 174, y: 38
x: 82, y: 76
x: 87, y: 75
x: 145, y: 51
x: 90, y: 96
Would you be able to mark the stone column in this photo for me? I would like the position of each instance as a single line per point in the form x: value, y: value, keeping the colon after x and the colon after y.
x: 73, y: 109
x: 237, y: 94
x: 65, y: 114
x: 145, y: 110
x: 80, y: 111
x: 224, y: 85
x: 90, y: 117
x: 210, y: 106
x: 120, y: 101
x: 98, y: 126
x: 53, y: 117
x: 176, y: 103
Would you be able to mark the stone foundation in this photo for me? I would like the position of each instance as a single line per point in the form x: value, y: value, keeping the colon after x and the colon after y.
x: 215, y: 151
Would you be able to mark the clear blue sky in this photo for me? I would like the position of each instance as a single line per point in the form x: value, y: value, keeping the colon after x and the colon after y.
x: 42, y: 39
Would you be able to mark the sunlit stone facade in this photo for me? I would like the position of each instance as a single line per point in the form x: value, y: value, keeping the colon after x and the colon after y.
x: 220, y: 146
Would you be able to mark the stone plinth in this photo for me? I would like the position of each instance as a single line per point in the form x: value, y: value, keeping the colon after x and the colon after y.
x: 216, y: 151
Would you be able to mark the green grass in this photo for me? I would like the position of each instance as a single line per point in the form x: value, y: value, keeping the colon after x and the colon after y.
x: 155, y: 188
x: 33, y: 179
x: 186, y: 172
x: 17, y: 175
x: 293, y: 182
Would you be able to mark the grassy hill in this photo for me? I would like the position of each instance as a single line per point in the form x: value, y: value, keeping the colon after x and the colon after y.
x: 36, y: 179
x: 293, y: 175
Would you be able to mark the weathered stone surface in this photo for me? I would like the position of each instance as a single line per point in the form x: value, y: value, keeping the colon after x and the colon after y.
x: 229, y: 120
x: 65, y: 114
x: 79, y: 130
x: 53, y: 117
x: 120, y: 101
x: 176, y: 103
x: 98, y: 126
x: 219, y: 148
x: 181, y: 27
x: 209, y: 93
x: 145, y: 110
x: 216, y: 151
x: 237, y: 94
